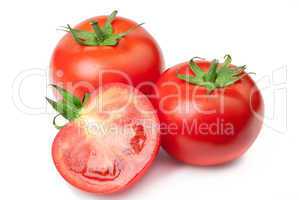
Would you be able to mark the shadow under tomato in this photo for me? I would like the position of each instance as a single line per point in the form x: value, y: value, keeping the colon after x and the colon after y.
x: 221, y: 167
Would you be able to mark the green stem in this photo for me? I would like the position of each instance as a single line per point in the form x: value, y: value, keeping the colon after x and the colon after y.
x: 100, y: 36
x: 68, y: 107
x: 98, y: 31
x: 216, y: 77
x: 110, y: 18
x: 212, y: 73
x: 74, y: 34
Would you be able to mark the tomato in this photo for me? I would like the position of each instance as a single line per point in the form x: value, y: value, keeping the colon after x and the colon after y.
x: 208, y: 115
x: 127, y: 54
x: 110, y: 141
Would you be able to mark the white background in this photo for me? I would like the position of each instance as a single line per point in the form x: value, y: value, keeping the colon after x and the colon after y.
x: 262, y: 34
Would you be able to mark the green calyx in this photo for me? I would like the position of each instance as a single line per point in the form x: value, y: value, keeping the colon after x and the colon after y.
x: 218, y: 76
x: 101, y: 36
x: 68, y: 107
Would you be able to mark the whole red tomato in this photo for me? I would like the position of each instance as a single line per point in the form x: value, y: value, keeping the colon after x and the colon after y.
x: 111, y: 140
x: 106, y: 49
x: 210, y: 113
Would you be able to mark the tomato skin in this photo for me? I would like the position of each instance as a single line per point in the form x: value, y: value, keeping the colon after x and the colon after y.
x: 137, y: 55
x: 238, y: 107
x: 73, y: 147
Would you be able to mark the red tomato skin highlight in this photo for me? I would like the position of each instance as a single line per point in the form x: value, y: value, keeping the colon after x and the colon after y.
x: 196, y: 147
x: 136, y: 57
x: 72, y: 135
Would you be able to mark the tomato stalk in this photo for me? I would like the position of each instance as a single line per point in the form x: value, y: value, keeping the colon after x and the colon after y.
x: 102, y: 36
x: 99, y: 33
x: 69, y: 107
x: 218, y: 76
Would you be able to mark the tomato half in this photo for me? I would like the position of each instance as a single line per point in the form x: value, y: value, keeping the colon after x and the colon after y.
x: 203, y: 128
x: 136, y: 59
x: 112, y: 142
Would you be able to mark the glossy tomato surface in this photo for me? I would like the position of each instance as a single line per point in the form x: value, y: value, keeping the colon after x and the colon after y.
x: 207, y: 129
x: 112, y: 143
x: 135, y: 60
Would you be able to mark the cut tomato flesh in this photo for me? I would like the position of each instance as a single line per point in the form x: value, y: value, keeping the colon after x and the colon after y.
x: 111, y: 144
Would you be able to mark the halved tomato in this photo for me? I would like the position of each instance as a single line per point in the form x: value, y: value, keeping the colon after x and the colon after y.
x: 110, y: 143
